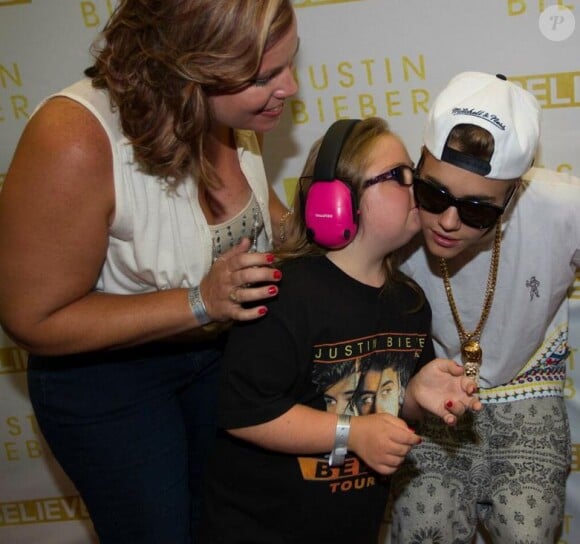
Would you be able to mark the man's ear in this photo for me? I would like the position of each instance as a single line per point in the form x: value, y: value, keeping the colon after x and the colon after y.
x: 513, y: 190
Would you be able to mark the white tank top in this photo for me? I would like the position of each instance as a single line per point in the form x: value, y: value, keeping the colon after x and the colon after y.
x: 159, y: 238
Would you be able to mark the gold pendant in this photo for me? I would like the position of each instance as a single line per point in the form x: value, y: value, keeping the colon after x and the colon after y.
x: 472, y: 356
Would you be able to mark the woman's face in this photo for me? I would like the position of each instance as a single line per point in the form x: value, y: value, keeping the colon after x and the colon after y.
x: 259, y: 106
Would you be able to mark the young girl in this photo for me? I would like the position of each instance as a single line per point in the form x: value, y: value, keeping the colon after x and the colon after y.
x: 294, y: 384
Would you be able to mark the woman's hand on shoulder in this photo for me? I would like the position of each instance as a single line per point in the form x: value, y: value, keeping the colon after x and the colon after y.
x: 237, y: 282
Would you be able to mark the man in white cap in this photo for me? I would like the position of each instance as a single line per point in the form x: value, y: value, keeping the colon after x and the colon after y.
x: 505, y: 317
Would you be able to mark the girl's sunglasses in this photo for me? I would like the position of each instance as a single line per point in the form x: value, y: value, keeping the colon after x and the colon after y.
x: 476, y: 214
x: 403, y: 175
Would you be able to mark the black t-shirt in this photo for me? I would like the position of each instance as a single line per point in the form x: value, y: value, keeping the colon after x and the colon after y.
x: 332, y: 343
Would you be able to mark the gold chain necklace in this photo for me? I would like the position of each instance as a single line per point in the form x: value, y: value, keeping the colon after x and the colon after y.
x: 470, y: 346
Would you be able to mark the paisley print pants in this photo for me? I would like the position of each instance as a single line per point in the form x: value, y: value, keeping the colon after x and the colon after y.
x: 504, y: 467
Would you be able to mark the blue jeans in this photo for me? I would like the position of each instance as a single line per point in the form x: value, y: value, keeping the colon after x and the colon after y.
x: 131, y: 428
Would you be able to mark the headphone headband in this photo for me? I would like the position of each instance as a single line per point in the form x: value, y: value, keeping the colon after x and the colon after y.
x: 330, y: 149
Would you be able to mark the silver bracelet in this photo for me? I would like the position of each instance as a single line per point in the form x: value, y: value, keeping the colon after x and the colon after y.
x: 197, y: 306
x: 340, y: 450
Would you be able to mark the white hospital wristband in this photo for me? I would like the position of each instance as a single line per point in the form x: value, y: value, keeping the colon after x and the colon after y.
x: 339, y: 451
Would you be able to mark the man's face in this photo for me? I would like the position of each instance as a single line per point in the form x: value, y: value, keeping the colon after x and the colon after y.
x: 379, y: 392
x: 388, y: 393
x: 338, y: 397
x: 446, y: 235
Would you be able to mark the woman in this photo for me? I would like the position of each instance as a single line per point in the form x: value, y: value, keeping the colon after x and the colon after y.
x: 125, y: 223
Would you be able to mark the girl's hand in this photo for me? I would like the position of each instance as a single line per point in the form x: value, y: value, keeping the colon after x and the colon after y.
x: 441, y: 388
x: 382, y: 441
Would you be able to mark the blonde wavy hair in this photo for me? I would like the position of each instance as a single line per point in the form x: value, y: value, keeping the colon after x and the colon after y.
x: 352, y: 165
x: 161, y: 59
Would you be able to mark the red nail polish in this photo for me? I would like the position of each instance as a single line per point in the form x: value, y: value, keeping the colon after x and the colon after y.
x: 270, y: 258
x: 277, y: 274
x: 263, y: 310
x: 449, y: 404
x: 272, y: 290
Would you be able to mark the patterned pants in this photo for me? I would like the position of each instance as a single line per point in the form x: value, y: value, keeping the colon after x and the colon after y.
x: 504, y: 467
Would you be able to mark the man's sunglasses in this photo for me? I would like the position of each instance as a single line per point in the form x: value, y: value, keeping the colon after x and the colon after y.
x: 476, y: 214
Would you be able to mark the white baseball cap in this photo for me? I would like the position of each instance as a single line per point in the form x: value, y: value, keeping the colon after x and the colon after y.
x: 509, y: 113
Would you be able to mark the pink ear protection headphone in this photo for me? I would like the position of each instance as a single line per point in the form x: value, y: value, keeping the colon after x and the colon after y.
x: 330, y: 206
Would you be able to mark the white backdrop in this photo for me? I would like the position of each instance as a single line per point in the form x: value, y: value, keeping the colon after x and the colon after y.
x: 357, y: 58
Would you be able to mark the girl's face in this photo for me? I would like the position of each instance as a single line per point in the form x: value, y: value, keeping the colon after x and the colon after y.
x: 260, y: 105
x: 388, y: 215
